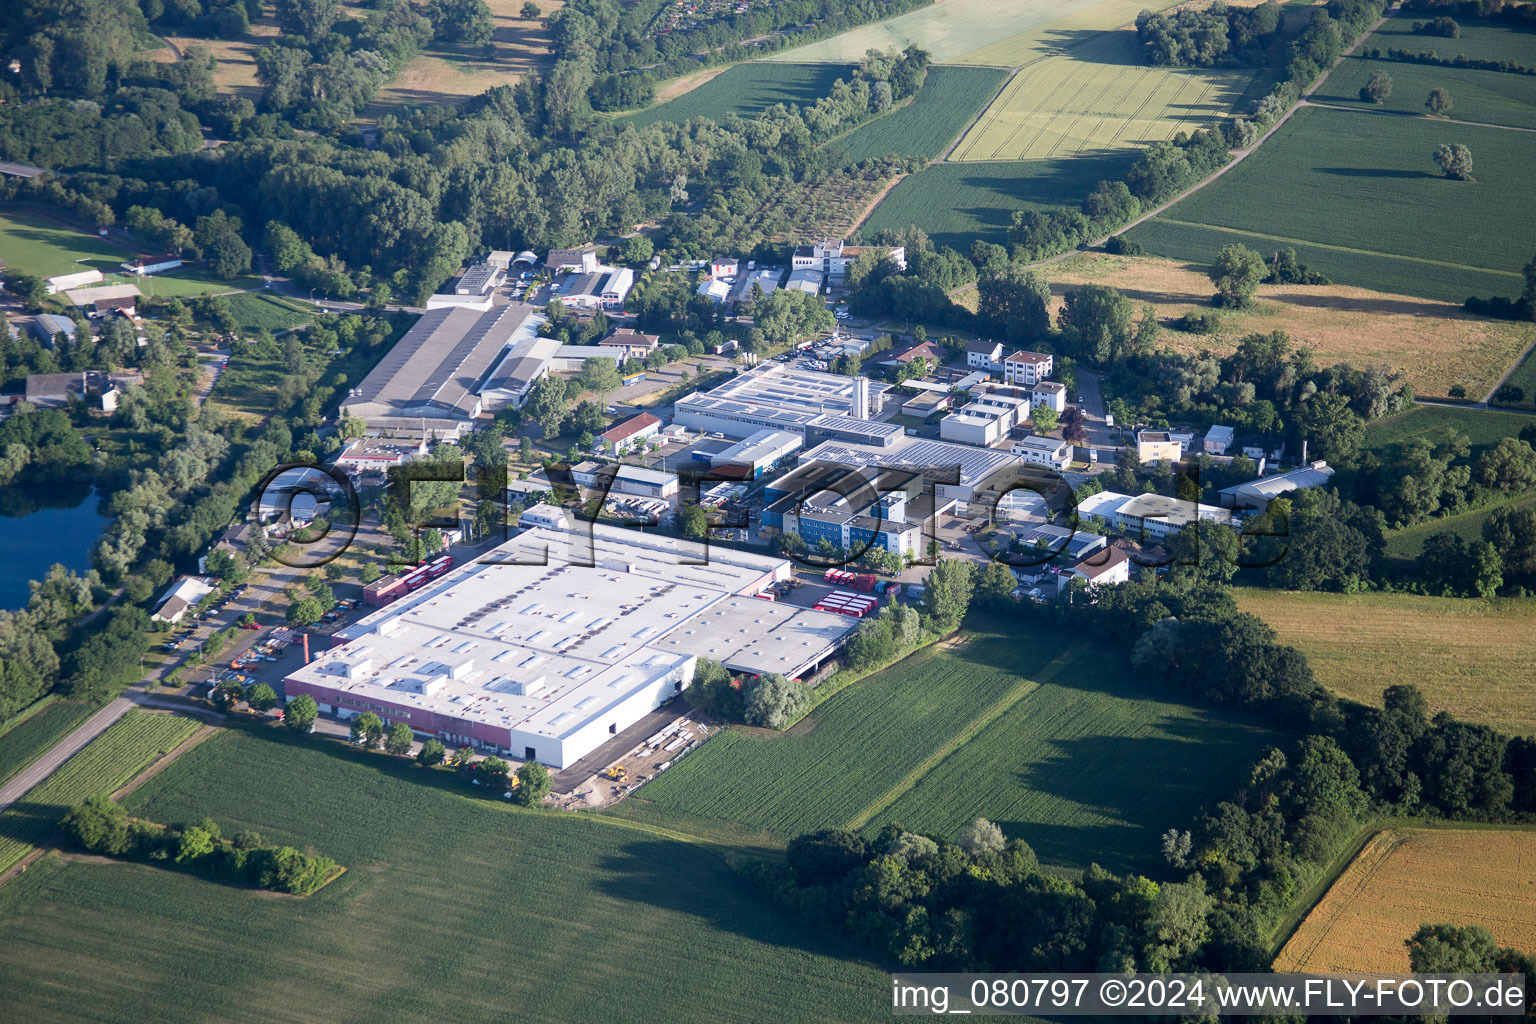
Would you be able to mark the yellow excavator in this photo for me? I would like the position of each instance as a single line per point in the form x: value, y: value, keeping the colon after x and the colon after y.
x: 618, y: 773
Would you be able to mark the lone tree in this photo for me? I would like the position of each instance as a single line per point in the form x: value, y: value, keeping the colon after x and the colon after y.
x: 1455, y: 160
x: 1236, y: 274
x: 1376, y: 88
x: 531, y: 11
x: 300, y: 713
x: 1439, y: 101
x: 982, y: 836
x: 533, y: 784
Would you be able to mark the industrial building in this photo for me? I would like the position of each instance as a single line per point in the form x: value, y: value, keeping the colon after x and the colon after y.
x: 986, y: 419
x: 1148, y: 516
x: 851, y: 429
x: 1257, y: 494
x: 557, y: 641
x: 776, y: 396
x: 852, y: 509
x: 971, y: 468
x: 1043, y: 451
x: 758, y: 454
x: 451, y: 366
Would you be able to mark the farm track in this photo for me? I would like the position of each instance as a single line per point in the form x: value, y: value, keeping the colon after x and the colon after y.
x: 1423, y: 117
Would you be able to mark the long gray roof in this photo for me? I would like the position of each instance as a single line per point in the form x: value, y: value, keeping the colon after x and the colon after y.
x: 436, y: 368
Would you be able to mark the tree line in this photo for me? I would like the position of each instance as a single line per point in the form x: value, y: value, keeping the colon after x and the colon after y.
x: 99, y: 825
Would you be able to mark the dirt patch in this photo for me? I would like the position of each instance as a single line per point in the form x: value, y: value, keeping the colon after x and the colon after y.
x: 642, y: 762
x: 671, y: 90
x: 1435, y: 343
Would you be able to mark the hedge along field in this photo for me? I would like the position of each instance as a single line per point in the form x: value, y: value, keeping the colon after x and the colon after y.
x: 1089, y: 767
x: 747, y: 90
x: 927, y: 126
x: 1352, y: 201
x: 959, y: 203
x: 1097, y: 97
x: 1480, y: 39
x: 1492, y: 97
x: 108, y: 762
x: 1469, y: 657
x: 847, y: 754
x: 453, y: 908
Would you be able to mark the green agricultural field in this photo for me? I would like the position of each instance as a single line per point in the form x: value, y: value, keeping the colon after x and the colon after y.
x: 1471, y: 658
x: 1097, y: 97
x: 1485, y: 428
x: 27, y: 737
x: 265, y: 311
x: 1055, y: 744
x: 127, y: 747
x: 1407, y: 543
x: 959, y: 203
x: 1463, y: 238
x: 747, y: 90
x: 1091, y: 766
x: 1480, y: 39
x: 1491, y: 97
x: 452, y: 908
x: 950, y: 98
x: 1524, y: 378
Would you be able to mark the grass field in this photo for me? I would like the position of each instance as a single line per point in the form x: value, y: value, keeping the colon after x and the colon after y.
x: 1491, y: 97
x: 1049, y: 740
x: 1435, y: 343
x: 259, y: 311
x: 1471, y: 658
x: 959, y: 203
x: 127, y: 747
x: 24, y: 740
x: 453, y: 908
x: 1407, y: 543
x: 1098, y: 97
x: 927, y: 126
x: 1404, y: 878
x: 747, y: 90
x: 1467, y: 237
x: 1524, y: 378
x: 45, y: 248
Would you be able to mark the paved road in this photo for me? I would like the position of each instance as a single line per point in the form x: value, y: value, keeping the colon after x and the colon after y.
x: 1100, y: 434
x: 66, y: 748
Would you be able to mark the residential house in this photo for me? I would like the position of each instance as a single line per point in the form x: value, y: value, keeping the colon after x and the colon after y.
x: 1157, y: 446
x: 628, y: 343
x: 985, y: 355
x: 1048, y: 394
x: 181, y: 598
x: 101, y: 389
x: 1027, y: 368
x: 623, y: 436
x: 929, y: 350
x: 1103, y: 568
x: 724, y: 267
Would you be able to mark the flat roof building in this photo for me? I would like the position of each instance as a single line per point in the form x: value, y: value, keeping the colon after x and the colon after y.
x: 1043, y: 451
x: 554, y: 642
x: 758, y: 453
x: 774, y: 396
x: 1148, y: 515
x: 938, y: 460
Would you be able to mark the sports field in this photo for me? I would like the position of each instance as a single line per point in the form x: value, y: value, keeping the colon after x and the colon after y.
x: 1489, y: 97
x: 747, y: 90
x: 1463, y: 237
x: 1056, y: 745
x: 1096, y: 97
x: 959, y: 203
x: 1471, y: 658
x: 453, y: 908
x: 127, y: 747
x: 1405, y: 878
x: 1436, y: 343
x: 927, y: 126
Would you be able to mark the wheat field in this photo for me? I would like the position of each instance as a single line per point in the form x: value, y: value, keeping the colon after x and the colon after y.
x: 1407, y: 877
